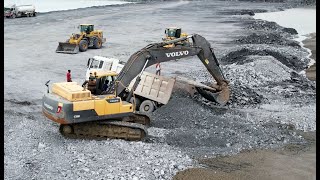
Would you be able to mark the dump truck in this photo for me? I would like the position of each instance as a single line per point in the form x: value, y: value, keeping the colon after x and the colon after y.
x: 20, y: 11
x: 87, y: 38
x: 152, y: 92
x: 111, y: 115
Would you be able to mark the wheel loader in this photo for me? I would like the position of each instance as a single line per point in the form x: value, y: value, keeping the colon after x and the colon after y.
x: 172, y: 33
x: 111, y: 115
x: 87, y: 38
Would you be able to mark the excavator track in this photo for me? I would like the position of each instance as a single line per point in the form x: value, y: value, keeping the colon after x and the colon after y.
x: 130, y: 128
x: 138, y: 117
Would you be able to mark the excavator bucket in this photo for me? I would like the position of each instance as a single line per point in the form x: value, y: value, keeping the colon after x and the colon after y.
x: 208, y: 92
x: 221, y: 97
x: 66, y: 47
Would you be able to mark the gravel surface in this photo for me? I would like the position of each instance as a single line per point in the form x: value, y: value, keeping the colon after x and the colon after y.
x: 269, y: 97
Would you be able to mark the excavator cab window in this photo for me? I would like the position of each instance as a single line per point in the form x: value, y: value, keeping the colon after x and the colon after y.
x: 101, y: 86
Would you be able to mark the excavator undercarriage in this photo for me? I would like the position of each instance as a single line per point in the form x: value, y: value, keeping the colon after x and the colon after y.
x: 130, y: 128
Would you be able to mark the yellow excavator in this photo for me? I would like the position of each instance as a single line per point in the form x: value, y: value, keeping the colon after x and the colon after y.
x: 87, y: 38
x: 111, y: 115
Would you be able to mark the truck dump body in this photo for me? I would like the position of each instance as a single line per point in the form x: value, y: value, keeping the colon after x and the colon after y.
x: 154, y: 87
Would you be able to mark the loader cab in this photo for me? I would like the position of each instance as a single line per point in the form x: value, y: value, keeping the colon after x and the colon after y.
x: 173, y: 32
x: 86, y: 28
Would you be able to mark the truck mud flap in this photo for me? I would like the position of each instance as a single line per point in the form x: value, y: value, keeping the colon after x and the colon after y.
x: 67, y: 48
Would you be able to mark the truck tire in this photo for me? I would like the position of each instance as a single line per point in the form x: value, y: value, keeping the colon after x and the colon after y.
x: 146, y: 107
x: 97, y: 43
x: 13, y: 16
x: 83, y: 45
x: 137, y: 103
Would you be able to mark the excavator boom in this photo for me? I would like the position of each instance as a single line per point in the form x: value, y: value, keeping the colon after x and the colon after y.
x: 157, y: 53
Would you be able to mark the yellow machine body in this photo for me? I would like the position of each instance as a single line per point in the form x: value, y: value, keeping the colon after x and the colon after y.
x: 87, y: 38
x: 172, y: 33
x: 79, y: 105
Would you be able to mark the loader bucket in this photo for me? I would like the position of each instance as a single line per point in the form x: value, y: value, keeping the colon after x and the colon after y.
x: 221, y: 97
x: 65, y: 47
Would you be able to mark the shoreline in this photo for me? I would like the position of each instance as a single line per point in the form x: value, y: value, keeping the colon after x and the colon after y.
x: 44, y: 10
x: 306, y: 36
x: 310, y: 43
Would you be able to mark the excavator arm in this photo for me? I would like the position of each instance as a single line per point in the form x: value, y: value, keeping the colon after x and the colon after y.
x: 157, y: 53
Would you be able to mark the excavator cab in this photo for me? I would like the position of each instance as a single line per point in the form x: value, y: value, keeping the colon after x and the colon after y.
x: 102, y: 81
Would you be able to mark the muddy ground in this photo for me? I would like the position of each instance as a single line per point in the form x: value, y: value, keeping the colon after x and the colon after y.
x: 270, y: 101
x: 293, y: 161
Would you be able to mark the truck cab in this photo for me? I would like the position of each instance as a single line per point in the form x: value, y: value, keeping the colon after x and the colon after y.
x: 101, y: 64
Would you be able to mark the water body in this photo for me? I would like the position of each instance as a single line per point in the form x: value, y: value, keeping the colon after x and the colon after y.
x: 301, y: 19
x: 59, y: 5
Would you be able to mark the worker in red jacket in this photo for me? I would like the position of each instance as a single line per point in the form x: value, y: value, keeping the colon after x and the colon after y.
x: 69, y: 76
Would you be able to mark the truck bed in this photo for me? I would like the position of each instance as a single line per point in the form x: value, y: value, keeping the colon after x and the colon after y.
x: 154, y: 87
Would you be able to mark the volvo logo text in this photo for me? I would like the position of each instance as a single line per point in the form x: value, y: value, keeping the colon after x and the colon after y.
x: 179, y: 53
x: 48, y: 106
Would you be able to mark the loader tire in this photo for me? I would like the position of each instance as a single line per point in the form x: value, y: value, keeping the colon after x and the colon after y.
x: 146, y: 107
x: 97, y: 43
x: 137, y: 102
x: 83, y: 45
